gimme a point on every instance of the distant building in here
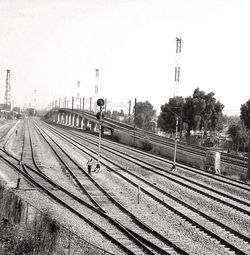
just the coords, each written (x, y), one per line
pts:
(31, 111)
(17, 109)
(5, 107)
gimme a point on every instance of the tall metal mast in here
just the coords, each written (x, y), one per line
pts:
(177, 66)
(176, 88)
(7, 99)
(96, 88)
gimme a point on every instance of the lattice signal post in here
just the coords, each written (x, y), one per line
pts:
(7, 98)
(176, 88)
(96, 88)
(177, 66)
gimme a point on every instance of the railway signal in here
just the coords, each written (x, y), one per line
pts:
(100, 102)
(100, 114)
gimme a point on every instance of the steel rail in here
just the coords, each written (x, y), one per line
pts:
(137, 221)
(160, 201)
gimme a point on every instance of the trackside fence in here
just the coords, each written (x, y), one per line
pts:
(40, 232)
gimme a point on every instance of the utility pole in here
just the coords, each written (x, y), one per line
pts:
(7, 98)
(181, 121)
(175, 143)
(134, 120)
(105, 105)
(72, 103)
(90, 104)
(78, 93)
(129, 111)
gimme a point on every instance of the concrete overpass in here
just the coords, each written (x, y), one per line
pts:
(78, 118)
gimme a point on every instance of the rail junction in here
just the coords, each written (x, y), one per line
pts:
(135, 203)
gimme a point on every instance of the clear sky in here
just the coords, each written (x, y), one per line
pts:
(51, 44)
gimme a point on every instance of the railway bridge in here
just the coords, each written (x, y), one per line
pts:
(78, 118)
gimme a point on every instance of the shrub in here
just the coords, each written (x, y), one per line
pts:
(146, 144)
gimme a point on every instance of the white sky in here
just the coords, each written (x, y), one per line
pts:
(51, 44)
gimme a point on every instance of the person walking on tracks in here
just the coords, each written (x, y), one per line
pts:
(89, 165)
(98, 168)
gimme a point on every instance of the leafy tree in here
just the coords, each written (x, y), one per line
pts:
(245, 113)
(245, 117)
(216, 118)
(239, 134)
(199, 111)
(167, 118)
(144, 115)
(209, 110)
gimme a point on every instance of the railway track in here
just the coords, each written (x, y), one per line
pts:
(100, 221)
(107, 202)
(189, 148)
(200, 227)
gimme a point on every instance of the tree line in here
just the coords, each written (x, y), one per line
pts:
(201, 111)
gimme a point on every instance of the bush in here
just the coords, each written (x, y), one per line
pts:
(146, 144)
(15, 240)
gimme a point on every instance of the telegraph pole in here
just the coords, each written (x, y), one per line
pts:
(72, 103)
(134, 120)
(175, 143)
(129, 111)
(78, 94)
(7, 99)
(90, 104)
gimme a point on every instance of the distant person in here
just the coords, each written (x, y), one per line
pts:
(16, 132)
(89, 165)
(173, 168)
(98, 168)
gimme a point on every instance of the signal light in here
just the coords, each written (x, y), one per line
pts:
(100, 102)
